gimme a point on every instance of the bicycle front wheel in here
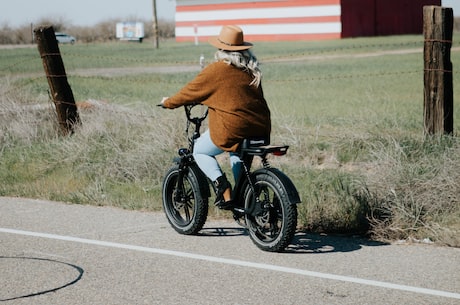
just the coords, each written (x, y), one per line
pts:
(183, 202)
(273, 221)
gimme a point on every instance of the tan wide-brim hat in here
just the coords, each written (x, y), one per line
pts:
(231, 38)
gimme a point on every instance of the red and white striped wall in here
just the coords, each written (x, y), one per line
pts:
(263, 20)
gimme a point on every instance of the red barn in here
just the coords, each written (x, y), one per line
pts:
(270, 20)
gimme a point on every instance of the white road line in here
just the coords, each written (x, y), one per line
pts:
(237, 263)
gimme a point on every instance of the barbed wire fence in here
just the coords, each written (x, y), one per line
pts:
(23, 80)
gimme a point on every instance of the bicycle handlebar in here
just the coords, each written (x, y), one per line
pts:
(188, 111)
(194, 120)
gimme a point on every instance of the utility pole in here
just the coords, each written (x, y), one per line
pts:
(32, 33)
(155, 25)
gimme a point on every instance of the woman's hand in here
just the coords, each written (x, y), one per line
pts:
(161, 104)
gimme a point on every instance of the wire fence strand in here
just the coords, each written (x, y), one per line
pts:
(23, 80)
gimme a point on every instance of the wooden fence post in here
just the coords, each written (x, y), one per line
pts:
(438, 91)
(61, 92)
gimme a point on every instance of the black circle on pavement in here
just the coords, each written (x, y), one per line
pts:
(79, 270)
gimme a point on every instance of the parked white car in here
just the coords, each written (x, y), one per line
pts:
(65, 38)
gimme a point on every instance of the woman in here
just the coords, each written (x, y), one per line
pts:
(231, 89)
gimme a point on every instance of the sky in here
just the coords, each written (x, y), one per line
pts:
(82, 12)
(17, 13)
(455, 4)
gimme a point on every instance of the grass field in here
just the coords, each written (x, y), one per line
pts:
(351, 111)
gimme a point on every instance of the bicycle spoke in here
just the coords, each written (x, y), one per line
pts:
(187, 213)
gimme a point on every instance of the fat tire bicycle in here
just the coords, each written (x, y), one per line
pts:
(265, 200)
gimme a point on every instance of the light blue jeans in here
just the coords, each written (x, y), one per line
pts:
(204, 153)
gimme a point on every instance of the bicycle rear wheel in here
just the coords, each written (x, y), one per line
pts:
(184, 204)
(271, 224)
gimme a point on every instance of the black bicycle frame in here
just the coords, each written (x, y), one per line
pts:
(246, 154)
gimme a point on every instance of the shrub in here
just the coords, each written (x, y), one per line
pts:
(416, 190)
(101, 32)
(333, 201)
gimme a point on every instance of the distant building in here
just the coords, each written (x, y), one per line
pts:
(277, 20)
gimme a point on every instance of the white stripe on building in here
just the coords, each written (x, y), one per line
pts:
(265, 29)
(262, 13)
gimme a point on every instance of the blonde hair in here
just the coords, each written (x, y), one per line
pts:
(245, 60)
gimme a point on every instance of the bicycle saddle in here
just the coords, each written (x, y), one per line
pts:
(261, 147)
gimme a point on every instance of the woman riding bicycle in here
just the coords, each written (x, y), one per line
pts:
(231, 89)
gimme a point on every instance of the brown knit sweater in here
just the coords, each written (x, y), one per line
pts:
(236, 109)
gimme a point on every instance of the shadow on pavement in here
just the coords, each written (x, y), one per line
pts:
(305, 242)
(223, 232)
(324, 243)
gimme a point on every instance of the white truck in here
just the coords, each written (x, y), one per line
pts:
(130, 31)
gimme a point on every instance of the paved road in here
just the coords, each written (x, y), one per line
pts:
(55, 253)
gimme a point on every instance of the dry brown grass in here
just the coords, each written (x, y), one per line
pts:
(369, 171)
(415, 190)
(408, 187)
(116, 148)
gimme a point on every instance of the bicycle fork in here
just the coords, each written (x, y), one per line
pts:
(183, 160)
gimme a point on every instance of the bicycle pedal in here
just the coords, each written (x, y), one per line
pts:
(225, 205)
(239, 220)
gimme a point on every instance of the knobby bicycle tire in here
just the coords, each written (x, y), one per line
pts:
(274, 226)
(187, 215)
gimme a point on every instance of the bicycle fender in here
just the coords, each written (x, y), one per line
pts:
(202, 179)
(285, 182)
(197, 172)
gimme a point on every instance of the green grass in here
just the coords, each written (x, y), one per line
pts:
(354, 123)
